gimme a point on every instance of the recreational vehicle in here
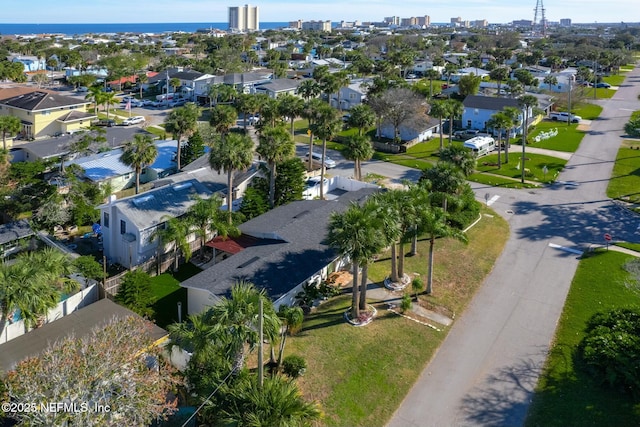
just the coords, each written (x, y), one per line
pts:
(481, 145)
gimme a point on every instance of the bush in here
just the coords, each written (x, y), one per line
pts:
(405, 304)
(632, 128)
(611, 349)
(294, 366)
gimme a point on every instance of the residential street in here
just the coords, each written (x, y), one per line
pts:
(486, 370)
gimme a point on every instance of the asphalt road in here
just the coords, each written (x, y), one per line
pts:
(486, 370)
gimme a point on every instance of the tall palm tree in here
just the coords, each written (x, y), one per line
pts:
(196, 336)
(455, 109)
(95, 94)
(142, 79)
(434, 225)
(514, 117)
(499, 74)
(291, 318)
(182, 122)
(499, 122)
(362, 117)
(108, 99)
(308, 89)
(358, 148)
(276, 145)
(354, 233)
(206, 216)
(290, 106)
(231, 153)
(9, 125)
(138, 154)
(223, 118)
(340, 80)
(175, 233)
(311, 113)
(235, 319)
(328, 123)
(551, 81)
(431, 74)
(246, 104)
(440, 109)
(526, 102)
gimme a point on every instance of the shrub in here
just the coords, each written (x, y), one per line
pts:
(611, 349)
(294, 366)
(405, 304)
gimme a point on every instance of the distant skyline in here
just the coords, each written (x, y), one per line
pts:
(494, 11)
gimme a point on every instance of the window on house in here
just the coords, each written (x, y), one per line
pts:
(127, 176)
(352, 96)
(105, 220)
(468, 124)
(123, 227)
(46, 113)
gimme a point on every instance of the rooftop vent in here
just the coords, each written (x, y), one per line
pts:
(182, 186)
(301, 214)
(141, 200)
(249, 262)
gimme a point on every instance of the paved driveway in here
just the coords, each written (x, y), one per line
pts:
(486, 370)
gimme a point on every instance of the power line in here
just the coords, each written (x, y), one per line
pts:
(209, 397)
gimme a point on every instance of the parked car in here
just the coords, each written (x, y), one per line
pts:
(177, 103)
(603, 85)
(82, 89)
(465, 134)
(317, 157)
(311, 187)
(149, 103)
(104, 122)
(563, 116)
(133, 120)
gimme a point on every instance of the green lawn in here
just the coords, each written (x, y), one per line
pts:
(360, 375)
(534, 162)
(588, 111)
(167, 291)
(632, 246)
(497, 181)
(625, 179)
(568, 137)
(614, 79)
(600, 93)
(566, 396)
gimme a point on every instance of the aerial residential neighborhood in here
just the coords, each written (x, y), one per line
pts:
(390, 222)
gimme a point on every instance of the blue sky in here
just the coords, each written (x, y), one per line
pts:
(107, 11)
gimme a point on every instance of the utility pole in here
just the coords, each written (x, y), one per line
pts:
(260, 345)
(569, 116)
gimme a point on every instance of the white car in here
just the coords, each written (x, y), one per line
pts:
(317, 157)
(133, 120)
(312, 187)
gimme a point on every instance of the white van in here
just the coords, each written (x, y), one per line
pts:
(317, 157)
(133, 120)
(481, 145)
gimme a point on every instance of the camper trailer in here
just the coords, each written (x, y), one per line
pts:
(481, 145)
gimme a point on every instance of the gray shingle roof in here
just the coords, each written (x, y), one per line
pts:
(14, 231)
(293, 248)
(80, 323)
(37, 100)
(489, 102)
(280, 85)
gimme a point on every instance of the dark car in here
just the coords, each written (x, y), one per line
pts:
(603, 85)
(104, 122)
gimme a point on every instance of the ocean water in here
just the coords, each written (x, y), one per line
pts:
(161, 27)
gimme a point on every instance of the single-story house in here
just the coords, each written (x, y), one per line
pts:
(80, 323)
(479, 109)
(12, 235)
(30, 63)
(44, 113)
(420, 128)
(278, 251)
(279, 87)
(107, 168)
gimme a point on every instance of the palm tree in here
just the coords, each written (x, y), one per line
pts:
(223, 118)
(275, 402)
(356, 234)
(231, 153)
(499, 121)
(96, 95)
(308, 89)
(310, 112)
(362, 117)
(175, 232)
(9, 125)
(499, 74)
(514, 116)
(434, 225)
(291, 318)
(196, 336)
(340, 80)
(235, 320)
(108, 99)
(464, 159)
(527, 102)
(276, 145)
(551, 81)
(455, 109)
(358, 148)
(142, 79)
(290, 106)
(138, 154)
(328, 123)
(440, 109)
(431, 74)
(182, 122)
(246, 104)
(206, 216)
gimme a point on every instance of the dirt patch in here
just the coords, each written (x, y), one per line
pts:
(340, 279)
(436, 308)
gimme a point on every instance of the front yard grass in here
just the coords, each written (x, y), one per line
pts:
(497, 181)
(566, 395)
(600, 93)
(625, 178)
(534, 162)
(168, 292)
(361, 375)
(614, 79)
(567, 139)
(588, 111)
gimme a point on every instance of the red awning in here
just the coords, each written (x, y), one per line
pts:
(232, 245)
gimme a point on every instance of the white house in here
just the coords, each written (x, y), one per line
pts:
(421, 128)
(279, 87)
(355, 93)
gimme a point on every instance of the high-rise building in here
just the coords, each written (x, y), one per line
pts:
(424, 21)
(566, 22)
(317, 25)
(244, 18)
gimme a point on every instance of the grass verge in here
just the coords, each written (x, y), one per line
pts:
(567, 139)
(360, 375)
(498, 181)
(566, 396)
(535, 163)
(625, 179)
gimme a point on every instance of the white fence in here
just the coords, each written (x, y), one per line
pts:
(74, 302)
